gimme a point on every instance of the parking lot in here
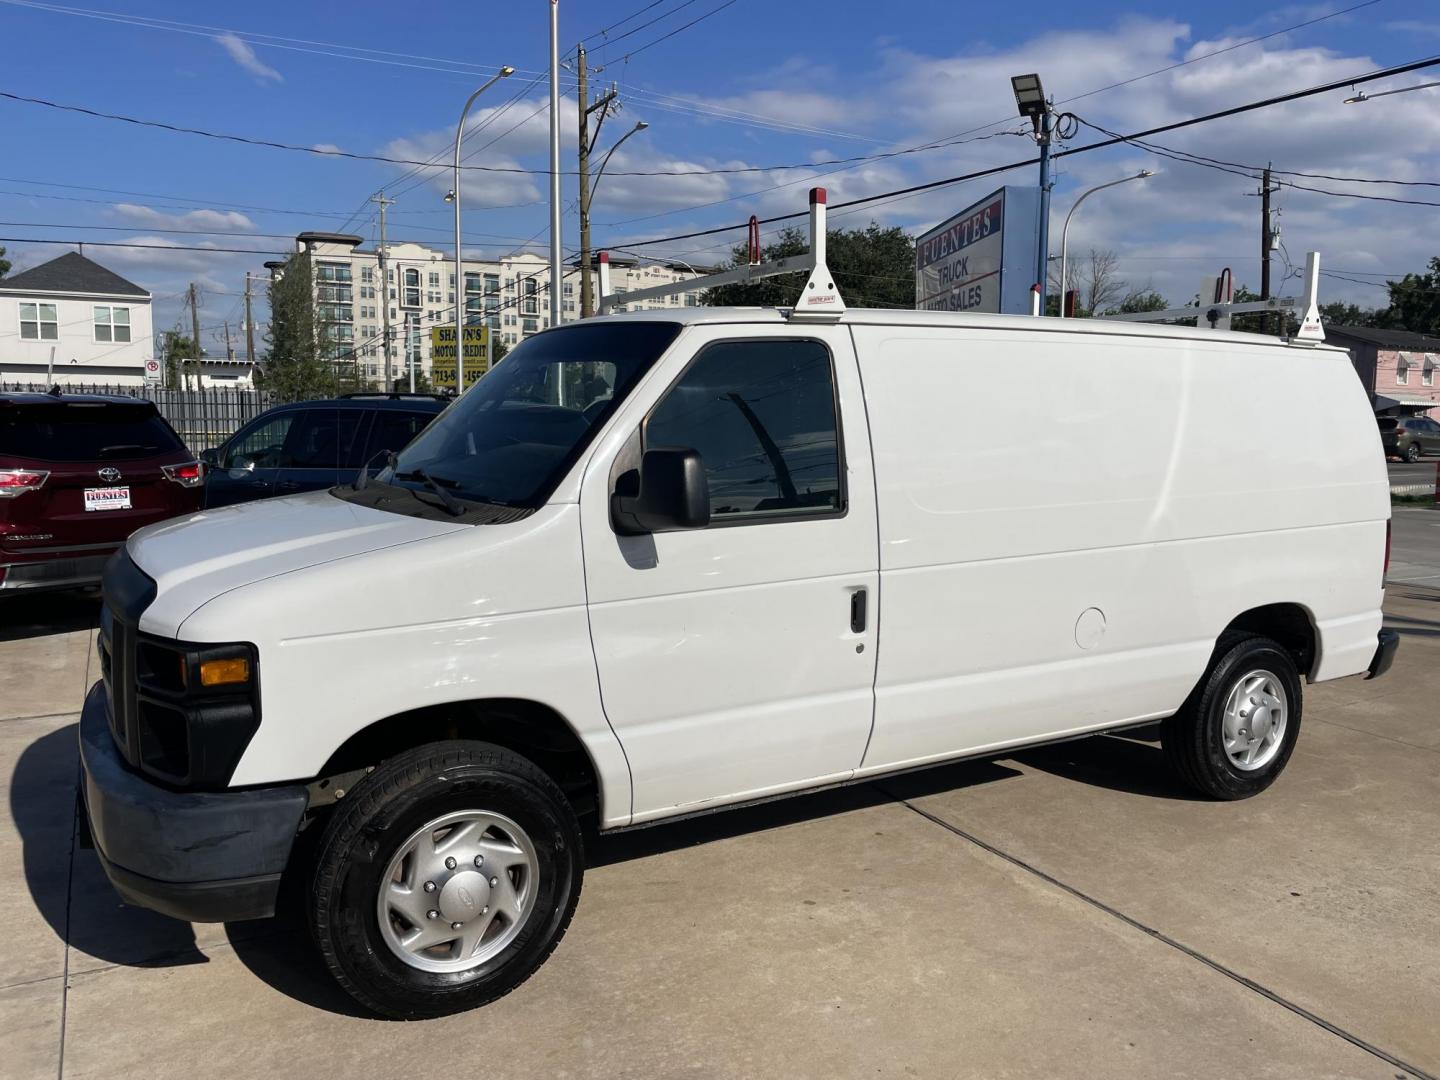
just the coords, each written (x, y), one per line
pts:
(1068, 911)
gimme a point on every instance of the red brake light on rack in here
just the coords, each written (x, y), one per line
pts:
(189, 474)
(18, 481)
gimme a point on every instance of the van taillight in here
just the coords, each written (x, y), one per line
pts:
(18, 481)
(1387, 550)
(191, 474)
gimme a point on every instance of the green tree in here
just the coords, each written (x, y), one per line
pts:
(4, 263)
(1415, 301)
(1146, 299)
(177, 347)
(1341, 314)
(297, 363)
(873, 267)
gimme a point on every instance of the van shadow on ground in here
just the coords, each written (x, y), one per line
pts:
(279, 951)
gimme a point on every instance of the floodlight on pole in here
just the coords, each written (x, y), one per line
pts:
(454, 197)
(1029, 97)
(1065, 232)
(1030, 100)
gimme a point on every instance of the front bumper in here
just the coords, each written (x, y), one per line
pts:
(203, 857)
(1384, 654)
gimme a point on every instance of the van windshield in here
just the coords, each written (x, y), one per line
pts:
(512, 437)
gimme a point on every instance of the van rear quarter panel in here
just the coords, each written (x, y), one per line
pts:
(1169, 483)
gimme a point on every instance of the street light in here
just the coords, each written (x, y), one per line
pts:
(454, 197)
(1065, 232)
(1362, 96)
(587, 195)
(640, 125)
(1030, 100)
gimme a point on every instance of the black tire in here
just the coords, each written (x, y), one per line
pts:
(1412, 454)
(367, 829)
(1193, 738)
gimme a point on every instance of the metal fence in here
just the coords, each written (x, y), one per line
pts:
(203, 418)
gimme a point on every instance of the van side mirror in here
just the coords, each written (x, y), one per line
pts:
(210, 457)
(667, 493)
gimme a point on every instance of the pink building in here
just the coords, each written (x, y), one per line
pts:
(1398, 368)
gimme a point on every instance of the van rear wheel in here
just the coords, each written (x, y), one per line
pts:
(445, 879)
(1237, 730)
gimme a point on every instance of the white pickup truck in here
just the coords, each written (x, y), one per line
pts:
(661, 563)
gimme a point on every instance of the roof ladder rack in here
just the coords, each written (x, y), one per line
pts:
(1216, 314)
(819, 299)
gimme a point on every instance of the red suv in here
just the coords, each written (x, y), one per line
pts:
(78, 474)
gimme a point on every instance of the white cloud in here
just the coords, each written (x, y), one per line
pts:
(147, 217)
(245, 56)
(326, 148)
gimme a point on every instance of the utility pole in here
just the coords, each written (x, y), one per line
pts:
(229, 349)
(1042, 258)
(249, 326)
(379, 197)
(587, 143)
(195, 331)
(1265, 239)
(556, 268)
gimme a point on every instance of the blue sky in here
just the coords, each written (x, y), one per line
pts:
(755, 84)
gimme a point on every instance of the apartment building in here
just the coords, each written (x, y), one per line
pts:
(510, 294)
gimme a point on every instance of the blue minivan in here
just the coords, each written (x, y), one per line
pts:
(312, 445)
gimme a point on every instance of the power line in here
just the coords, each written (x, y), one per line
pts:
(679, 29)
(434, 162)
(1251, 171)
(142, 247)
(635, 30)
(914, 189)
(1284, 172)
(271, 41)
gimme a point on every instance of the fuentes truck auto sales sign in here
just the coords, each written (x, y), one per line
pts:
(982, 259)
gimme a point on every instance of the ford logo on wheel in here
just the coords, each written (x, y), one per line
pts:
(109, 474)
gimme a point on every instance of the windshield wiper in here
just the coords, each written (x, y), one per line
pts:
(363, 476)
(452, 504)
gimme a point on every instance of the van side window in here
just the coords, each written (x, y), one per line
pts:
(762, 415)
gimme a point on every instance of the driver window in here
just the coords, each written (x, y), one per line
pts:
(762, 416)
(260, 446)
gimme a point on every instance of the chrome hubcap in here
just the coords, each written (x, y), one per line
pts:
(457, 891)
(1254, 721)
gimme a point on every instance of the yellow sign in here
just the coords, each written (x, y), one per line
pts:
(442, 355)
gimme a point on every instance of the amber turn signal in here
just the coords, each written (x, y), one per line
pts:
(224, 672)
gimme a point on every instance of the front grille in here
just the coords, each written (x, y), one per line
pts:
(128, 592)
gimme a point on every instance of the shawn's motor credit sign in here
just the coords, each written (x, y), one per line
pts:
(442, 355)
(977, 260)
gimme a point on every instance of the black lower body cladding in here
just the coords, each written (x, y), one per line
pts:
(200, 856)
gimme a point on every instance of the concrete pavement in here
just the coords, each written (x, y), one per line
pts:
(1414, 546)
(1068, 911)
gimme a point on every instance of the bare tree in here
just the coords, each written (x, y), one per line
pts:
(1095, 276)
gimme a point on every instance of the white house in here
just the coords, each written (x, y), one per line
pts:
(70, 320)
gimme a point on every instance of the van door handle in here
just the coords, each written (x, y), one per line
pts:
(857, 611)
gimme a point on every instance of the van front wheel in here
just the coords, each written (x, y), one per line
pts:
(1236, 731)
(445, 879)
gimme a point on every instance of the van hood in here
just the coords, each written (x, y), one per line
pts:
(197, 558)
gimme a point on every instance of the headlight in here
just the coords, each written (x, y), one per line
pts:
(197, 707)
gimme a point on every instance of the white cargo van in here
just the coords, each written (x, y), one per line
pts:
(660, 563)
